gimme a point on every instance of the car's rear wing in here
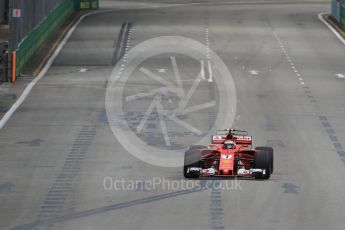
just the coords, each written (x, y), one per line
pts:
(238, 139)
(218, 139)
(231, 131)
(239, 132)
(242, 139)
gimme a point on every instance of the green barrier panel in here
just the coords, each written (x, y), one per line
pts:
(32, 42)
(342, 17)
(86, 4)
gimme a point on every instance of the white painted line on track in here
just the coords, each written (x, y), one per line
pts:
(202, 70)
(254, 72)
(43, 72)
(331, 28)
(209, 65)
(210, 73)
(339, 75)
(292, 65)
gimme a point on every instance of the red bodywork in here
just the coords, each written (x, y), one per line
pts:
(229, 161)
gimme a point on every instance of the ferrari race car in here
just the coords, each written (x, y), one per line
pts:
(229, 154)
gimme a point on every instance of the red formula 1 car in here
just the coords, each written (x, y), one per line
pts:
(229, 154)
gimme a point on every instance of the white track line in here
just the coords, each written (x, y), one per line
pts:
(28, 89)
(202, 71)
(208, 55)
(339, 75)
(210, 74)
(292, 65)
(331, 28)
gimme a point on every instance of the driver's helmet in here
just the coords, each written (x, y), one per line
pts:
(229, 145)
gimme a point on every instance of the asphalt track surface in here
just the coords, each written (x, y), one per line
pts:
(58, 147)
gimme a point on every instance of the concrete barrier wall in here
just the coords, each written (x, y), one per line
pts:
(336, 10)
(342, 16)
(34, 40)
(32, 14)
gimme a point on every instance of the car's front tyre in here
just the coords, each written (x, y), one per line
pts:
(262, 161)
(270, 154)
(192, 158)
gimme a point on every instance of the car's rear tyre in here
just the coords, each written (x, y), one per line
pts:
(192, 158)
(270, 154)
(262, 161)
(194, 147)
